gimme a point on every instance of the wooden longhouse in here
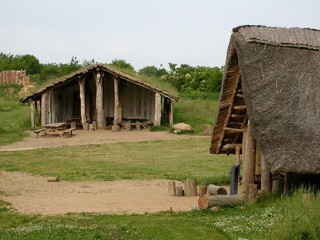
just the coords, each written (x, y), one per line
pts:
(102, 95)
(268, 113)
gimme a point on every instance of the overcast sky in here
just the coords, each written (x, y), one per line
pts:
(143, 32)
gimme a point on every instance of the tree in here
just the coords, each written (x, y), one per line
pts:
(122, 64)
(152, 71)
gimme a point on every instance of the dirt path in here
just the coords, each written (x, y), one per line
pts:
(81, 137)
(34, 195)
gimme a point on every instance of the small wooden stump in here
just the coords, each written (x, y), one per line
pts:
(190, 188)
(53, 179)
(216, 190)
(202, 190)
(252, 193)
(172, 188)
(179, 192)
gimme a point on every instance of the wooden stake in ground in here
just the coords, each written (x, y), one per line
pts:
(208, 201)
(252, 193)
(190, 188)
(172, 188)
(216, 190)
(202, 190)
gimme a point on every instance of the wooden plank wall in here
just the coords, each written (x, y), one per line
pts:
(108, 95)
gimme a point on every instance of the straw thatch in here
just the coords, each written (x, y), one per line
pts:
(278, 74)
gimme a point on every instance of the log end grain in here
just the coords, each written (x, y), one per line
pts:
(53, 179)
(203, 203)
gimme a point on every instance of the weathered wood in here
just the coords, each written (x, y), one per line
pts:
(244, 143)
(216, 190)
(258, 161)
(171, 113)
(116, 119)
(190, 188)
(240, 107)
(265, 176)
(229, 129)
(208, 201)
(179, 191)
(202, 190)
(157, 114)
(238, 160)
(101, 120)
(252, 195)
(172, 188)
(232, 146)
(83, 103)
(250, 158)
(32, 115)
(36, 113)
(53, 179)
(44, 109)
(276, 186)
(235, 115)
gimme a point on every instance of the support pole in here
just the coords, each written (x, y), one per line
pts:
(250, 158)
(171, 113)
(32, 115)
(157, 114)
(36, 113)
(101, 120)
(44, 109)
(238, 160)
(117, 113)
(83, 103)
(265, 176)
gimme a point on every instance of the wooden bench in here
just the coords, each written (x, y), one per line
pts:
(38, 131)
(68, 132)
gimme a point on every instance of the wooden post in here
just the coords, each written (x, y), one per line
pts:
(244, 143)
(250, 158)
(252, 193)
(190, 188)
(202, 190)
(44, 109)
(172, 188)
(116, 119)
(171, 113)
(157, 113)
(258, 161)
(83, 103)
(265, 176)
(238, 160)
(36, 113)
(101, 120)
(179, 192)
(32, 115)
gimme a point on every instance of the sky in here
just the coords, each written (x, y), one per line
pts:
(142, 32)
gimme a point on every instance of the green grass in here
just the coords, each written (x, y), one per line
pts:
(14, 117)
(271, 218)
(175, 159)
(196, 110)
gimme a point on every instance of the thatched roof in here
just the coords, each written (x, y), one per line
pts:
(104, 68)
(272, 77)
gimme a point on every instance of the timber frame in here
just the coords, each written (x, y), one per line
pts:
(101, 95)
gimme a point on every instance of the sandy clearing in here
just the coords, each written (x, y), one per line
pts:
(34, 195)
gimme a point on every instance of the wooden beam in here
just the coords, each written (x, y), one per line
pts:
(117, 117)
(32, 115)
(235, 123)
(44, 109)
(83, 103)
(238, 115)
(229, 111)
(157, 112)
(265, 176)
(240, 107)
(101, 120)
(240, 95)
(229, 129)
(232, 146)
(250, 158)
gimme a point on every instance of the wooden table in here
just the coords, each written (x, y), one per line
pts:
(138, 122)
(55, 128)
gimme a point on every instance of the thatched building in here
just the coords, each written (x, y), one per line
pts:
(272, 81)
(102, 95)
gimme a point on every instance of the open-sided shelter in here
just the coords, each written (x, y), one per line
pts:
(272, 82)
(103, 95)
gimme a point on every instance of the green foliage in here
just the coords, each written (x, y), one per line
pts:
(26, 62)
(152, 71)
(122, 64)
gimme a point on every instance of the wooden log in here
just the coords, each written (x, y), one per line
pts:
(265, 176)
(53, 179)
(44, 109)
(83, 103)
(202, 190)
(101, 120)
(249, 165)
(216, 190)
(172, 188)
(157, 113)
(252, 193)
(190, 188)
(179, 192)
(171, 113)
(208, 201)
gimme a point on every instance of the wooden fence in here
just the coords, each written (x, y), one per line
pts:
(17, 77)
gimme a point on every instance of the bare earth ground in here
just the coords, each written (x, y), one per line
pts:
(34, 195)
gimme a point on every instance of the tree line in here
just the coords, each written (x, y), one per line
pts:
(184, 78)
